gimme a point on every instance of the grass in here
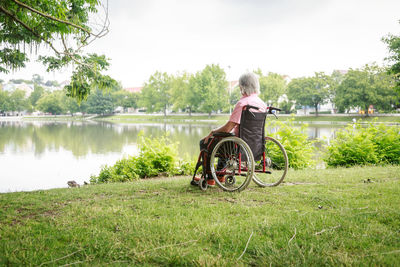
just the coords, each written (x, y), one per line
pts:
(318, 217)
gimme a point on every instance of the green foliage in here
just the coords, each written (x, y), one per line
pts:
(358, 145)
(4, 101)
(272, 87)
(37, 93)
(17, 101)
(52, 103)
(155, 95)
(286, 106)
(370, 85)
(310, 91)
(393, 43)
(64, 27)
(299, 149)
(87, 76)
(182, 93)
(211, 84)
(100, 102)
(157, 156)
(130, 101)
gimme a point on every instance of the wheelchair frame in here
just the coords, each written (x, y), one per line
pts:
(270, 173)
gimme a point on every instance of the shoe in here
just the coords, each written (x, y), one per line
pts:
(195, 181)
(211, 182)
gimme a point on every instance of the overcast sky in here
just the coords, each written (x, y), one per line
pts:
(296, 38)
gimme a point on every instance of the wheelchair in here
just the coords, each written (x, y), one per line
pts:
(232, 162)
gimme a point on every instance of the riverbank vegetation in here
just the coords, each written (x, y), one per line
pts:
(157, 157)
(358, 145)
(376, 144)
(338, 216)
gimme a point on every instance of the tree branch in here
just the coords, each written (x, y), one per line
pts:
(11, 15)
(51, 17)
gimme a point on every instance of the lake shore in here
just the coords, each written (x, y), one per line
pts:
(220, 118)
(343, 216)
(215, 118)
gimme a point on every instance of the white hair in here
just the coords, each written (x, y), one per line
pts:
(249, 84)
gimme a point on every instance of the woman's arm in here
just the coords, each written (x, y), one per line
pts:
(226, 128)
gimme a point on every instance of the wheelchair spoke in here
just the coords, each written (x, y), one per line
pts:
(225, 164)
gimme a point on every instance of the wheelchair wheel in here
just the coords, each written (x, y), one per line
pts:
(232, 159)
(203, 184)
(276, 164)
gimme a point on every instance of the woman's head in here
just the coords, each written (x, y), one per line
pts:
(249, 84)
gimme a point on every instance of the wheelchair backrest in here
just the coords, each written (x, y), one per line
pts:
(251, 130)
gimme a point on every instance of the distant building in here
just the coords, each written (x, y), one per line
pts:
(11, 87)
(134, 89)
(343, 72)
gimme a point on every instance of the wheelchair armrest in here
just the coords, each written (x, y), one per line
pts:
(223, 134)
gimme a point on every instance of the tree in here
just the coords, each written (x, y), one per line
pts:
(65, 28)
(38, 91)
(156, 95)
(272, 86)
(370, 85)
(211, 86)
(393, 43)
(336, 79)
(4, 101)
(310, 91)
(183, 91)
(131, 100)
(100, 102)
(18, 102)
(71, 105)
(235, 96)
(52, 103)
(118, 97)
(37, 79)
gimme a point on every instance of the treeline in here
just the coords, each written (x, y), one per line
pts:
(208, 91)
(57, 102)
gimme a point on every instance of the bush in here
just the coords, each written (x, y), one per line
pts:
(357, 145)
(299, 149)
(157, 156)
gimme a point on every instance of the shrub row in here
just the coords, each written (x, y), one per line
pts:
(299, 148)
(358, 145)
(157, 156)
(353, 145)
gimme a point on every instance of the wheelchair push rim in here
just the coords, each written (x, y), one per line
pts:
(232, 164)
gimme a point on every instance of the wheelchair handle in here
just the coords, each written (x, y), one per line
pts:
(250, 106)
(272, 109)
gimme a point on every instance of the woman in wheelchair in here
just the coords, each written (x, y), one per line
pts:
(249, 88)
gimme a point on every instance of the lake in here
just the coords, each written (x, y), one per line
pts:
(41, 155)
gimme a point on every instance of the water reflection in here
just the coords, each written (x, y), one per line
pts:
(39, 155)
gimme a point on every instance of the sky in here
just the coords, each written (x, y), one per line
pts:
(289, 37)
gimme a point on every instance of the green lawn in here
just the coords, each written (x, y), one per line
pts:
(318, 217)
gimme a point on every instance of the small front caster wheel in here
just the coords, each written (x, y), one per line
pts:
(203, 184)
